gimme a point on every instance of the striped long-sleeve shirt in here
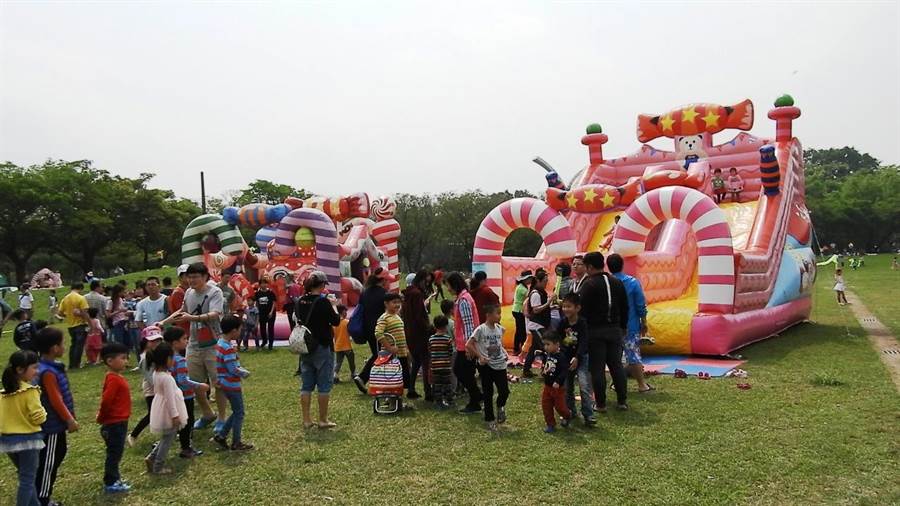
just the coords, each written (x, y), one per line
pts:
(228, 367)
(179, 371)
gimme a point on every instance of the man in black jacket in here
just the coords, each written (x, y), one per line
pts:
(604, 304)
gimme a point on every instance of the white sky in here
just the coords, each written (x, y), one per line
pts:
(420, 97)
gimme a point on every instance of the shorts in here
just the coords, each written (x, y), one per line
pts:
(201, 363)
(317, 371)
(632, 348)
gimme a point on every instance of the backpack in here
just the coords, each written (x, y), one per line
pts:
(356, 326)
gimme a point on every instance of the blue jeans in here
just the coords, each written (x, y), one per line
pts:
(114, 437)
(236, 420)
(583, 375)
(27, 464)
(120, 334)
(317, 371)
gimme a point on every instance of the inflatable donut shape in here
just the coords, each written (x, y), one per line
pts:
(228, 235)
(327, 252)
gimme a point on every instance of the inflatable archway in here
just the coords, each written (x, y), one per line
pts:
(326, 244)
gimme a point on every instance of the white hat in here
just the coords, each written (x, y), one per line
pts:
(181, 269)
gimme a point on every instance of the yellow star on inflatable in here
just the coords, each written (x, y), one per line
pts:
(572, 200)
(607, 199)
(666, 122)
(688, 115)
(711, 119)
(589, 195)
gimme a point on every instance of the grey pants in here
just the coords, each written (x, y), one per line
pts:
(161, 450)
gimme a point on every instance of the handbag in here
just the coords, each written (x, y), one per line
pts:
(356, 325)
(297, 341)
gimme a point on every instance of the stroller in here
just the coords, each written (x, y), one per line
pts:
(386, 384)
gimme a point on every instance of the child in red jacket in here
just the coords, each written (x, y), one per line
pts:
(115, 409)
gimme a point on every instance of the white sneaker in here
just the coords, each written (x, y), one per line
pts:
(130, 441)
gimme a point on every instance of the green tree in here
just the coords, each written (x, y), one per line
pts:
(23, 215)
(262, 191)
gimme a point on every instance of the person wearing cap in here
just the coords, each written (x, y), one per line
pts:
(176, 300)
(202, 310)
(523, 286)
(150, 337)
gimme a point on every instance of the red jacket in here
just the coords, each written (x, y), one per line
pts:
(483, 297)
(115, 403)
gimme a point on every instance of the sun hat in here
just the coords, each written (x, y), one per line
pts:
(151, 333)
(524, 275)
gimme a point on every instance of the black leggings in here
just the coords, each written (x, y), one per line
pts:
(143, 422)
(491, 378)
(521, 335)
(184, 435)
(420, 359)
(464, 369)
(267, 330)
(537, 344)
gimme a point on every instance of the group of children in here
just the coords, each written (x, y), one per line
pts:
(37, 407)
(722, 187)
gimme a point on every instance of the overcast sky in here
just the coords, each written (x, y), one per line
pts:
(383, 97)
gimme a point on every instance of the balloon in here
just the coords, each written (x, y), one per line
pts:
(304, 238)
(383, 208)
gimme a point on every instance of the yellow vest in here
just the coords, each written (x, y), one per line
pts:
(21, 412)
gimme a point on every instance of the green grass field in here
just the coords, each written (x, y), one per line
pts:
(876, 284)
(819, 426)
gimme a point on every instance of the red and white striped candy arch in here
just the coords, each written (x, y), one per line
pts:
(714, 245)
(554, 229)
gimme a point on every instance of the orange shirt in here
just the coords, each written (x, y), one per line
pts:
(342, 337)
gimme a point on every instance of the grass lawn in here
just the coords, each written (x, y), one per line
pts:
(876, 284)
(820, 425)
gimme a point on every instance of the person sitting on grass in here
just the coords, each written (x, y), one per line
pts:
(554, 370)
(169, 414)
(178, 340)
(230, 373)
(486, 343)
(56, 397)
(21, 416)
(113, 415)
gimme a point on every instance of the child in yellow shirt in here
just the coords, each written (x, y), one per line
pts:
(21, 416)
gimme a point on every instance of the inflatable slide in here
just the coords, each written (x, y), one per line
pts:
(718, 234)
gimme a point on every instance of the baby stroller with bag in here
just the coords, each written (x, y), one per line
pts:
(386, 384)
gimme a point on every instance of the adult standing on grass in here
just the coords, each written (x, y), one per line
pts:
(74, 310)
(371, 303)
(96, 299)
(118, 317)
(266, 302)
(465, 317)
(637, 321)
(604, 305)
(482, 294)
(176, 300)
(203, 308)
(152, 309)
(415, 322)
(318, 314)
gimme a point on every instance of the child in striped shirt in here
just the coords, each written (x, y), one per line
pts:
(229, 374)
(390, 334)
(178, 340)
(440, 348)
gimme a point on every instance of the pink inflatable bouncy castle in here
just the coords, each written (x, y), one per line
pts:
(344, 238)
(718, 273)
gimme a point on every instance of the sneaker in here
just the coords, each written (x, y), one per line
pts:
(492, 426)
(622, 407)
(413, 395)
(501, 415)
(130, 441)
(443, 405)
(117, 488)
(217, 428)
(550, 429)
(241, 447)
(468, 410)
(564, 422)
(590, 421)
(190, 453)
(148, 461)
(360, 384)
(219, 440)
(601, 408)
(203, 423)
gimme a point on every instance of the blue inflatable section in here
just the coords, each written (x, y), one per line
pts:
(796, 274)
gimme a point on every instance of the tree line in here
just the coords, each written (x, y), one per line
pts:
(75, 218)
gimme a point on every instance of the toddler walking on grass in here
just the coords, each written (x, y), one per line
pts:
(230, 373)
(555, 369)
(342, 346)
(839, 286)
(168, 414)
(440, 349)
(115, 409)
(486, 343)
(178, 340)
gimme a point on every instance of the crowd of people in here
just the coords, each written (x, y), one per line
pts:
(187, 339)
